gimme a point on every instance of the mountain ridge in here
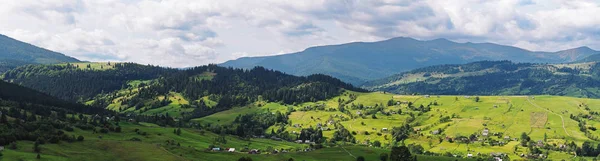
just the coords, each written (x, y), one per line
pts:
(15, 53)
(496, 78)
(358, 62)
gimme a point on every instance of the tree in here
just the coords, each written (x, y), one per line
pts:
(524, 139)
(13, 146)
(245, 159)
(178, 132)
(477, 99)
(401, 154)
(360, 158)
(36, 147)
(38, 156)
(377, 143)
(383, 156)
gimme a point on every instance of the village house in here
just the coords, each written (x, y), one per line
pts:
(231, 150)
(254, 151)
(485, 132)
(384, 129)
(540, 143)
(506, 137)
(435, 132)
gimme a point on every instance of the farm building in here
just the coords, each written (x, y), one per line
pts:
(231, 150)
(485, 132)
(254, 151)
(435, 132)
(384, 129)
(506, 137)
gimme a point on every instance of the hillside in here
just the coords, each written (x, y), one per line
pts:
(591, 58)
(81, 81)
(359, 62)
(432, 125)
(496, 78)
(194, 92)
(15, 53)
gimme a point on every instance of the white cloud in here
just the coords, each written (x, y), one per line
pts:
(194, 32)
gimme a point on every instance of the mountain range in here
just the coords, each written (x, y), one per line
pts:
(496, 78)
(359, 62)
(15, 53)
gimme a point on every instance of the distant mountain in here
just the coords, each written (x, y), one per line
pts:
(15, 53)
(359, 62)
(496, 78)
(594, 56)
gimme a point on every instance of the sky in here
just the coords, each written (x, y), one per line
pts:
(184, 33)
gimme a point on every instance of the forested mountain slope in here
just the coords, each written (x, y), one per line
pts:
(193, 92)
(15, 53)
(496, 78)
(81, 81)
(359, 62)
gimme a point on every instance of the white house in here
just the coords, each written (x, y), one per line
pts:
(231, 150)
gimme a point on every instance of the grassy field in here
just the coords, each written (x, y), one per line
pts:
(94, 65)
(506, 116)
(192, 146)
(510, 116)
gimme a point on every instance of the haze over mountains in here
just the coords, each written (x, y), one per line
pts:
(15, 53)
(359, 62)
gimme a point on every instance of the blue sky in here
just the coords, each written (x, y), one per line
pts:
(181, 33)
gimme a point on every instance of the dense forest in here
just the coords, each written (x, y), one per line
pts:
(234, 87)
(496, 78)
(70, 82)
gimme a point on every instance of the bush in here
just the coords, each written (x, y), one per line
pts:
(104, 130)
(80, 138)
(69, 129)
(135, 139)
(245, 159)
(360, 158)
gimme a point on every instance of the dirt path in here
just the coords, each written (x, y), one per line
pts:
(348, 152)
(561, 117)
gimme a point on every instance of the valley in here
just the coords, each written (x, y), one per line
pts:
(483, 110)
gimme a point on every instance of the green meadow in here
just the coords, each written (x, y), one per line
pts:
(506, 116)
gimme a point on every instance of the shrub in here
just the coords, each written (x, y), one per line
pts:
(80, 138)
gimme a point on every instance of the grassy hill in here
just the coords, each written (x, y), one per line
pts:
(496, 78)
(543, 118)
(190, 145)
(15, 53)
(360, 62)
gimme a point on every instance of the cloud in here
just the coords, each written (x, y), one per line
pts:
(183, 33)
